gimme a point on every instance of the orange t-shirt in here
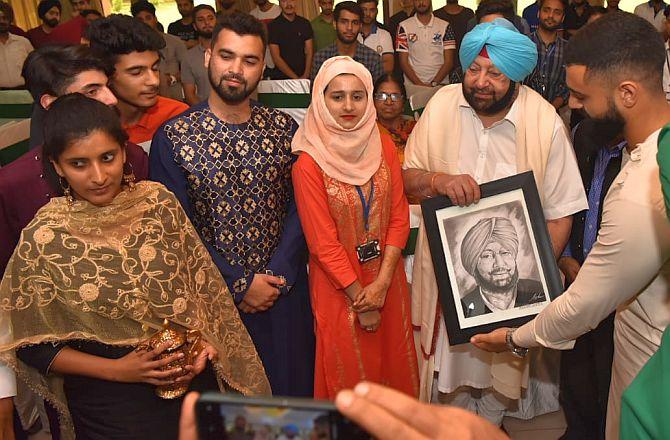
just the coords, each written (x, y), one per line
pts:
(142, 132)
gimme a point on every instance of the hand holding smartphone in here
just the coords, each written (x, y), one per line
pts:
(227, 416)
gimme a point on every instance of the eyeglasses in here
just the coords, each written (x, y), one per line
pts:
(383, 96)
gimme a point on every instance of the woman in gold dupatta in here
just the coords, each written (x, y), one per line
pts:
(94, 276)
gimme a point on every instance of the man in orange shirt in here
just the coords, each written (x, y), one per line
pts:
(132, 48)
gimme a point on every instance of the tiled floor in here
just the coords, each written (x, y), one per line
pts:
(547, 427)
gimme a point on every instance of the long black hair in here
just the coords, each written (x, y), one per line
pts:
(70, 118)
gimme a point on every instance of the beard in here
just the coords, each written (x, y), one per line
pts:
(452, 2)
(490, 286)
(611, 125)
(51, 23)
(231, 95)
(345, 40)
(495, 106)
(546, 27)
(207, 35)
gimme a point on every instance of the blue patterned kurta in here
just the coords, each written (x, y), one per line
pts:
(234, 181)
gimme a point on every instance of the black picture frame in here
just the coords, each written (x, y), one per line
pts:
(438, 213)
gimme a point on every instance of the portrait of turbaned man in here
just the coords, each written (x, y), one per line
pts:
(489, 254)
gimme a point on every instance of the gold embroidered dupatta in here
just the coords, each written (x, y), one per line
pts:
(105, 273)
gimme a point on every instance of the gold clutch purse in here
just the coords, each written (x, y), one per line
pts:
(187, 343)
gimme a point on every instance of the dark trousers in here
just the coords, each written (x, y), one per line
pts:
(20, 434)
(585, 380)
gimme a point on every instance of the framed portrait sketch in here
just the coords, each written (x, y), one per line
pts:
(493, 260)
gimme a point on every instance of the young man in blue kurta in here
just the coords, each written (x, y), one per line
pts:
(228, 160)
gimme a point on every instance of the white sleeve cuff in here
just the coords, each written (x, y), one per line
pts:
(7, 382)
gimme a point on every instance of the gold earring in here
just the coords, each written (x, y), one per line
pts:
(69, 200)
(129, 179)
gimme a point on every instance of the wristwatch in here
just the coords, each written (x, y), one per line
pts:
(515, 349)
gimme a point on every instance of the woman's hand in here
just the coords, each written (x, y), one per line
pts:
(370, 321)
(141, 365)
(206, 352)
(371, 297)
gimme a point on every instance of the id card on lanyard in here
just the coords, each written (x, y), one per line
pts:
(370, 249)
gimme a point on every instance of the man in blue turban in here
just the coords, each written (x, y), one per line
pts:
(487, 128)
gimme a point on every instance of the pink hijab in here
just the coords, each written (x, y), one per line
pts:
(351, 155)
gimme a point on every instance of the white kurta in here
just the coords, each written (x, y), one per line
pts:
(627, 270)
(488, 154)
(7, 378)
(492, 157)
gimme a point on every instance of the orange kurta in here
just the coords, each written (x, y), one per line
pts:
(332, 219)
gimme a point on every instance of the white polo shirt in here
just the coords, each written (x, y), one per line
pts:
(646, 11)
(425, 45)
(12, 55)
(379, 40)
(266, 17)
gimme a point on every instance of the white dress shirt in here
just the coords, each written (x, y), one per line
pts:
(646, 11)
(12, 55)
(627, 270)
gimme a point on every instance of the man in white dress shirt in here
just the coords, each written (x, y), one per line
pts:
(485, 129)
(652, 11)
(614, 72)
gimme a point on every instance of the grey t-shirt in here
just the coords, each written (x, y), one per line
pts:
(193, 71)
(172, 56)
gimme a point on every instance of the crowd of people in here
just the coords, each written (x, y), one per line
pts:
(159, 196)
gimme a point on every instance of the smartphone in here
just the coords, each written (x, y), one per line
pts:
(224, 416)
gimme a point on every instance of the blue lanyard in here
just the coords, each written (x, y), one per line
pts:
(366, 206)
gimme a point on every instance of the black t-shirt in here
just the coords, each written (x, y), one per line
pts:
(572, 21)
(290, 36)
(458, 23)
(181, 30)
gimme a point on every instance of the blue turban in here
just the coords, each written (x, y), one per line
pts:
(510, 51)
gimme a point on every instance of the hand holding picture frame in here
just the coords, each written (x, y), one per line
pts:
(494, 261)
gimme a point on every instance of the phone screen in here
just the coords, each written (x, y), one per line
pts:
(224, 420)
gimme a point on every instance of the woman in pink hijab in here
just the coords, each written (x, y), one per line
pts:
(354, 214)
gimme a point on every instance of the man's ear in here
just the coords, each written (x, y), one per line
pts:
(46, 100)
(629, 93)
(208, 56)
